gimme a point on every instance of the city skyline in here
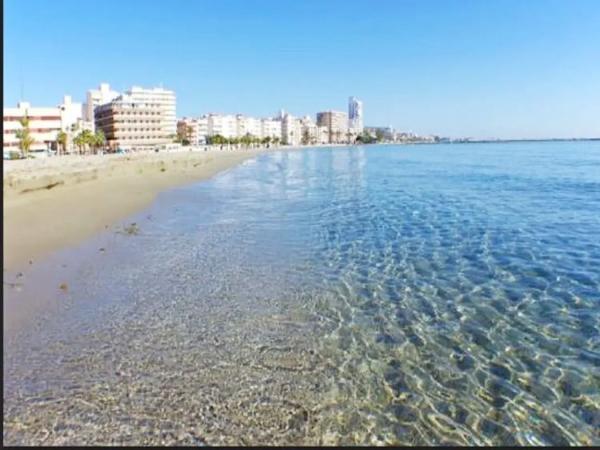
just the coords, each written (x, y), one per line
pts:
(457, 69)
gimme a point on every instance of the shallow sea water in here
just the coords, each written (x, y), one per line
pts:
(432, 294)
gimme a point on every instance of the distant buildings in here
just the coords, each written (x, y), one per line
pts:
(145, 118)
(248, 126)
(355, 115)
(271, 128)
(139, 118)
(385, 133)
(336, 123)
(223, 125)
(227, 125)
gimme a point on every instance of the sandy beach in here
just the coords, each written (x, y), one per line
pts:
(56, 202)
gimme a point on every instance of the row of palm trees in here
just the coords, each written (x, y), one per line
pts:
(246, 140)
(85, 141)
(88, 141)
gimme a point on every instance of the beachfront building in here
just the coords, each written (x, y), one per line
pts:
(223, 125)
(70, 113)
(271, 128)
(309, 131)
(44, 126)
(336, 123)
(138, 119)
(248, 126)
(355, 115)
(97, 97)
(72, 121)
(291, 130)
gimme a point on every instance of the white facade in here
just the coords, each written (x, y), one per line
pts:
(248, 125)
(160, 98)
(224, 125)
(291, 130)
(232, 126)
(44, 126)
(97, 97)
(271, 128)
(202, 129)
(355, 115)
(70, 113)
(309, 131)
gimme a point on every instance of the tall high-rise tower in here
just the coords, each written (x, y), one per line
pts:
(355, 115)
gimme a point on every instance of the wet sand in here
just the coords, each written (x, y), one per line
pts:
(57, 202)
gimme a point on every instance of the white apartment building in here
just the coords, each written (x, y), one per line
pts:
(97, 97)
(355, 115)
(230, 126)
(291, 130)
(139, 118)
(249, 125)
(70, 113)
(271, 128)
(224, 125)
(44, 126)
(310, 130)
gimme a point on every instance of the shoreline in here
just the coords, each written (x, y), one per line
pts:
(54, 203)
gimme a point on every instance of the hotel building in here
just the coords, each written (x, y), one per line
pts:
(139, 118)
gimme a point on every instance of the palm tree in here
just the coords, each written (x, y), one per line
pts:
(25, 139)
(78, 141)
(83, 139)
(276, 140)
(100, 139)
(61, 140)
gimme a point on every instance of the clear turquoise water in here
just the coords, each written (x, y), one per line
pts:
(368, 295)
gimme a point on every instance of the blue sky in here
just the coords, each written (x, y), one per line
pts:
(479, 68)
